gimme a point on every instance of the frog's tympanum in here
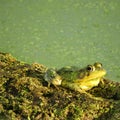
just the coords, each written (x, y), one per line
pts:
(75, 78)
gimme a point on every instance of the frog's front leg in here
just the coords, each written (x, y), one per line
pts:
(52, 77)
(102, 81)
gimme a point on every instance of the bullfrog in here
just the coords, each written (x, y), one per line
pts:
(76, 79)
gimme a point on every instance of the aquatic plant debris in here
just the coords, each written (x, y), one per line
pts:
(24, 94)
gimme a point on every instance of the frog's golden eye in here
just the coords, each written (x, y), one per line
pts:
(90, 68)
(98, 65)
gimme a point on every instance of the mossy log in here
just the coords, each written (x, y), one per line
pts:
(24, 95)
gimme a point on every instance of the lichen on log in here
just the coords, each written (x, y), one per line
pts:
(24, 95)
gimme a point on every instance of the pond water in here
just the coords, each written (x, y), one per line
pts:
(59, 33)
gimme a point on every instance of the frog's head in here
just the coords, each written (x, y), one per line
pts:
(91, 76)
(94, 71)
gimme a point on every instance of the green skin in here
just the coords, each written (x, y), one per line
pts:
(71, 73)
(82, 79)
(78, 79)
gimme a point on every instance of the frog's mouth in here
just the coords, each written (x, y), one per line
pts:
(94, 76)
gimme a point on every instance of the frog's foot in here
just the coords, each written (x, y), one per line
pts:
(76, 87)
(48, 85)
(57, 88)
(102, 81)
(52, 77)
(88, 94)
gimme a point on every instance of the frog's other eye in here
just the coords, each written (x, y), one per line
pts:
(90, 68)
(98, 65)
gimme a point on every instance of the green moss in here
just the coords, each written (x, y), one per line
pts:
(24, 95)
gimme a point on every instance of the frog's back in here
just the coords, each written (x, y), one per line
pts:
(68, 73)
(67, 69)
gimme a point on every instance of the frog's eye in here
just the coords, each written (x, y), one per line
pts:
(90, 68)
(98, 65)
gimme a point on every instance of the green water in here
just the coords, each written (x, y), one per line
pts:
(57, 33)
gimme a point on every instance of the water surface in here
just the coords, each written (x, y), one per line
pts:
(57, 33)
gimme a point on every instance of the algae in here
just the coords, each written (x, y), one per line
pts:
(24, 95)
